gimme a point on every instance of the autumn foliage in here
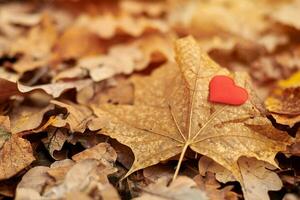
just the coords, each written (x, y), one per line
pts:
(145, 100)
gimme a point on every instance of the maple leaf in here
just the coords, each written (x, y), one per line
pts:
(172, 113)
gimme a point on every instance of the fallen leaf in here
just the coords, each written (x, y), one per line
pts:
(102, 151)
(55, 142)
(4, 130)
(181, 188)
(122, 24)
(8, 89)
(86, 177)
(9, 20)
(77, 116)
(153, 9)
(68, 47)
(257, 177)
(119, 92)
(213, 189)
(287, 14)
(26, 118)
(284, 101)
(15, 155)
(121, 59)
(55, 89)
(29, 187)
(168, 117)
(268, 70)
(36, 46)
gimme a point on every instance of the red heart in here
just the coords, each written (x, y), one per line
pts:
(223, 90)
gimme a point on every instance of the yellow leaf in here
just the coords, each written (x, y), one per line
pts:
(293, 81)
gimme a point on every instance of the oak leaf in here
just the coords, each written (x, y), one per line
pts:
(172, 113)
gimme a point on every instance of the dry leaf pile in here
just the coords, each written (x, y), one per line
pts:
(110, 100)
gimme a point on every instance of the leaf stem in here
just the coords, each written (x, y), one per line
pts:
(180, 160)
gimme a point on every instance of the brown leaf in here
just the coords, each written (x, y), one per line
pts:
(8, 89)
(287, 14)
(25, 118)
(284, 101)
(9, 19)
(120, 91)
(121, 24)
(85, 174)
(121, 59)
(68, 46)
(77, 115)
(55, 89)
(181, 188)
(36, 46)
(211, 187)
(15, 155)
(257, 177)
(102, 151)
(55, 141)
(29, 187)
(172, 113)
(4, 129)
(88, 177)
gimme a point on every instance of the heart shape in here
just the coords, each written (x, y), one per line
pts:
(223, 90)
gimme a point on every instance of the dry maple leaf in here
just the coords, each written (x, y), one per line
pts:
(168, 118)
